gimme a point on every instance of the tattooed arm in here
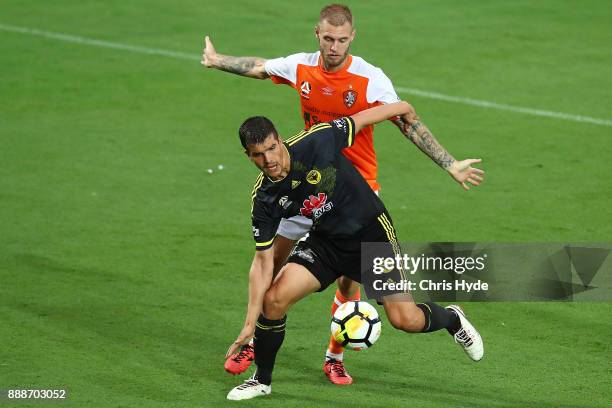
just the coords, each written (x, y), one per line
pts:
(461, 171)
(418, 134)
(252, 67)
(411, 127)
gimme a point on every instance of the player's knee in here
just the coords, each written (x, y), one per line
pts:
(274, 306)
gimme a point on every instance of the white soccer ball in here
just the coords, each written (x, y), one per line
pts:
(356, 325)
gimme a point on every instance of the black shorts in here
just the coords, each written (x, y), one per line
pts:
(329, 257)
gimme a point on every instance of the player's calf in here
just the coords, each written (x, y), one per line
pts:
(404, 315)
(420, 317)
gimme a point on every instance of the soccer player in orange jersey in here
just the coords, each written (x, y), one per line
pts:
(331, 83)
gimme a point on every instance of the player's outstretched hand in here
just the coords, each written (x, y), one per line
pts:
(463, 172)
(409, 118)
(243, 338)
(209, 53)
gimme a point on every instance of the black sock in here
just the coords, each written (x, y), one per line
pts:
(438, 317)
(269, 336)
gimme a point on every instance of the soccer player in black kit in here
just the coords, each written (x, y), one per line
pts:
(307, 174)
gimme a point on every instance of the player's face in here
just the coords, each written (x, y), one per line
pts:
(269, 157)
(334, 43)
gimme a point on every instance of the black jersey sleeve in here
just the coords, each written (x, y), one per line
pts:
(264, 225)
(344, 132)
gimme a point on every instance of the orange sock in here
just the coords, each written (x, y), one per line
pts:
(335, 347)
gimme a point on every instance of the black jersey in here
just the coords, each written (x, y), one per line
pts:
(322, 185)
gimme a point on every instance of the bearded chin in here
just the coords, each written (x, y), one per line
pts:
(331, 64)
(342, 60)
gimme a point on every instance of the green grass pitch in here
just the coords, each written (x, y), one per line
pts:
(123, 263)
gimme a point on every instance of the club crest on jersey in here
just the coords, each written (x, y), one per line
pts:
(313, 177)
(305, 89)
(350, 97)
(316, 206)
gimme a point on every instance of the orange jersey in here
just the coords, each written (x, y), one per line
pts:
(325, 96)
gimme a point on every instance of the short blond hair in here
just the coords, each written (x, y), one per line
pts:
(336, 15)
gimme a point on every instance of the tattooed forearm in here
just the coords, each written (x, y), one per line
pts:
(399, 123)
(422, 137)
(246, 66)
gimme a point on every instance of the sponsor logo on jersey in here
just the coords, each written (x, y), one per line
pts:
(255, 231)
(327, 91)
(284, 202)
(313, 177)
(316, 206)
(305, 89)
(349, 97)
(295, 183)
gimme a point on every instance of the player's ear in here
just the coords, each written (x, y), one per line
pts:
(353, 34)
(317, 30)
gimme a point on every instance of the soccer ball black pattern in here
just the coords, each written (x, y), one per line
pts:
(356, 325)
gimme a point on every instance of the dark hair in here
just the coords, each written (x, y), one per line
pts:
(255, 130)
(336, 14)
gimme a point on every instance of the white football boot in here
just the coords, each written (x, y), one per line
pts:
(467, 336)
(251, 388)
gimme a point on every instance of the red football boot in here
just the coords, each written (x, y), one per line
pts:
(239, 362)
(335, 371)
